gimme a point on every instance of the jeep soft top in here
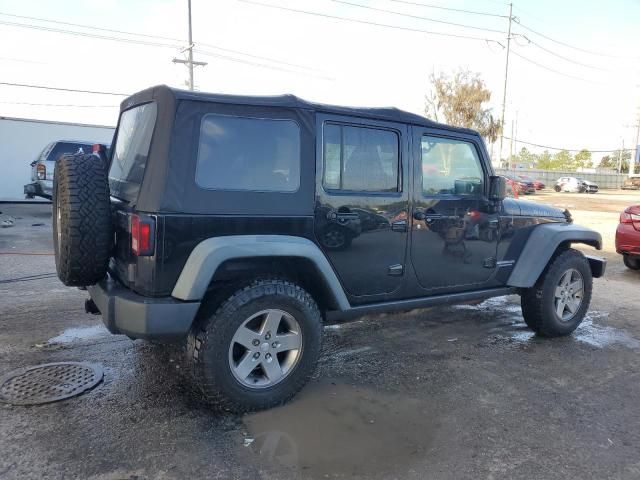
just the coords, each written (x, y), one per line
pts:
(242, 224)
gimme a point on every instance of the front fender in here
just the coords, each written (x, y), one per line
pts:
(541, 245)
(209, 254)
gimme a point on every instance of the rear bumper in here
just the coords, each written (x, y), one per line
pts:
(627, 239)
(125, 312)
(41, 188)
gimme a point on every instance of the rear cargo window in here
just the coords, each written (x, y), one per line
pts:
(68, 148)
(248, 154)
(131, 149)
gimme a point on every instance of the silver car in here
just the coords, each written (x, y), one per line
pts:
(42, 167)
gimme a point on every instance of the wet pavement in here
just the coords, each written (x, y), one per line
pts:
(446, 393)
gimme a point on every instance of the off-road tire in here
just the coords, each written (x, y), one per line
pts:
(632, 263)
(210, 338)
(538, 301)
(82, 224)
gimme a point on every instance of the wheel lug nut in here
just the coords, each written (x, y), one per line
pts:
(267, 336)
(275, 344)
(256, 342)
(256, 355)
(268, 357)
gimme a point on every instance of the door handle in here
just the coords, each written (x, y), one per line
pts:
(341, 216)
(399, 226)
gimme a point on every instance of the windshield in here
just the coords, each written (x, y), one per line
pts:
(130, 151)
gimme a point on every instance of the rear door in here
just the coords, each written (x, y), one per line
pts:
(362, 202)
(454, 234)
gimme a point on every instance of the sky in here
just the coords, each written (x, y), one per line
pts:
(585, 94)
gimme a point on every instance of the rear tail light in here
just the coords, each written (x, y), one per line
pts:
(142, 235)
(631, 215)
(41, 171)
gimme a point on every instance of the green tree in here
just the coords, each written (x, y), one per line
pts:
(545, 161)
(459, 100)
(582, 159)
(563, 160)
(620, 160)
(607, 162)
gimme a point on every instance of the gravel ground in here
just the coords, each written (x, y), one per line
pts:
(444, 393)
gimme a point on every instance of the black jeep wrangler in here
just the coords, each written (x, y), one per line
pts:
(241, 225)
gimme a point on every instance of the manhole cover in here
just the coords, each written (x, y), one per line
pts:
(48, 383)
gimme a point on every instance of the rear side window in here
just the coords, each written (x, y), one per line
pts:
(131, 149)
(68, 148)
(360, 159)
(248, 154)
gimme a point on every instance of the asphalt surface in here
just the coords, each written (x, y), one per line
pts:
(461, 392)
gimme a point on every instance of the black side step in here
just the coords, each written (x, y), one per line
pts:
(422, 302)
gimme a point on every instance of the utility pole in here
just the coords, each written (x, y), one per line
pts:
(189, 62)
(510, 149)
(637, 145)
(506, 75)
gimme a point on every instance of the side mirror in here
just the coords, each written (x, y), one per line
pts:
(497, 188)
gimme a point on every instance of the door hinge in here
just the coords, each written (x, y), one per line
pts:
(396, 270)
(490, 262)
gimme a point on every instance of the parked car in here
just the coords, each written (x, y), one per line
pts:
(575, 185)
(628, 237)
(537, 184)
(43, 166)
(521, 186)
(631, 183)
(204, 226)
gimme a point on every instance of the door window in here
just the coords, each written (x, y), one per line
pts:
(360, 159)
(450, 167)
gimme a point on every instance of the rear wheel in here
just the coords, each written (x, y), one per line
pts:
(559, 300)
(632, 263)
(557, 188)
(258, 348)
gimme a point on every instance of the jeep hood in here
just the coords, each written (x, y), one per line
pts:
(531, 209)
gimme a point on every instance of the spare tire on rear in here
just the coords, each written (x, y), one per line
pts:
(82, 224)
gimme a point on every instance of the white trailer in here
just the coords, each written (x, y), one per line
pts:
(22, 140)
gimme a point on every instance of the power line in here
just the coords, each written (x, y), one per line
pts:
(90, 35)
(418, 17)
(64, 89)
(59, 105)
(365, 22)
(557, 72)
(129, 40)
(564, 44)
(461, 10)
(567, 59)
(90, 27)
(257, 64)
(567, 149)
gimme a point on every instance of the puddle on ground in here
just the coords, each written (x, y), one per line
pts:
(342, 430)
(497, 303)
(602, 336)
(599, 336)
(76, 334)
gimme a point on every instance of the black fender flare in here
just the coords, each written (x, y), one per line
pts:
(542, 244)
(209, 254)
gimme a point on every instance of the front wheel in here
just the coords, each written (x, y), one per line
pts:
(557, 188)
(632, 263)
(258, 348)
(559, 300)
